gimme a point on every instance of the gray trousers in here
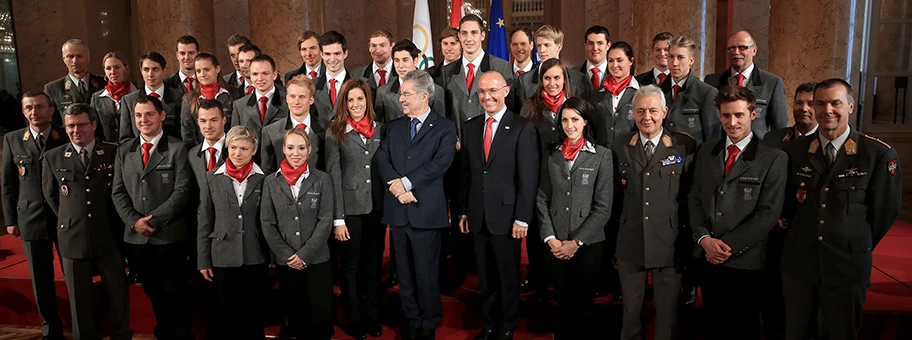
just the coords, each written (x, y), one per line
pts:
(79, 285)
(666, 283)
(40, 257)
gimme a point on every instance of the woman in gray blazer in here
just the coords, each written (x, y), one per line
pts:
(107, 101)
(232, 252)
(211, 86)
(614, 102)
(296, 215)
(351, 143)
(573, 213)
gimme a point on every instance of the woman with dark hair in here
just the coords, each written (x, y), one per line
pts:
(107, 102)
(211, 86)
(615, 100)
(573, 214)
(351, 143)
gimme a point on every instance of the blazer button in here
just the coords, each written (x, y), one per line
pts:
(299, 203)
(718, 213)
(721, 192)
(819, 238)
(567, 209)
(553, 128)
(88, 190)
(647, 174)
(647, 204)
(367, 181)
(144, 199)
(826, 189)
(851, 187)
(366, 152)
(647, 188)
(240, 216)
(297, 233)
(646, 218)
(296, 218)
(367, 166)
(143, 181)
(87, 177)
(90, 215)
(821, 222)
(61, 226)
(823, 206)
(568, 193)
(568, 178)
(486, 172)
(88, 202)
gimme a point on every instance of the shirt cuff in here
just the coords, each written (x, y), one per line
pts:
(701, 239)
(521, 223)
(549, 238)
(407, 184)
(338, 222)
(463, 216)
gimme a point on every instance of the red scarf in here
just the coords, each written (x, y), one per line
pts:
(292, 174)
(209, 91)
(239, 174)
(365, 127)
(570, 151)
(616, 87)
(553, 103)
(116, 91)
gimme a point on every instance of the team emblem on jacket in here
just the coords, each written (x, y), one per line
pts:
(747, 194)
(585, 179)
(802, 195)
(313, 203)
(22, 170)
(891, 167)
(165, 178)
(64, 190)
(691, 122)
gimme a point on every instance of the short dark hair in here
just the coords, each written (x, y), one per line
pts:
(408, 46)
(150, 99)
(80, 108)
(264, 57)
(729, 94)
(597, 29)
(586, 111)
(307, 35)
(833, 82)
(33, 94)
(628, 51)
(187, 40)
(209, 104)
(237, 39)
(525, 30)
(332, 37)
(663, 36)
(153, 56)
(476, 19)
(806, 87)
(250, 48)
(448, 32)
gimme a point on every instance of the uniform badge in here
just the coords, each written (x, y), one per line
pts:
(96, 85)
(747, 194)
(802, 195)
(806, 169)
(64, 190)
(68, 85)
(22, 171)
(759, 110)
(624, 181)
(891, 167)
(313, 203)
(585, 179)
(165, 178)
(691, 122)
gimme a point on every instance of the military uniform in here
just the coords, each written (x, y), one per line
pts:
(23, 205)
(63, 92)
(837, 214)
(88, 230)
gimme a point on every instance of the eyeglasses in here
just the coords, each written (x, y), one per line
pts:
(35, 107)
(407, 95)
(740, 48)
(74, 126)
(490, 91)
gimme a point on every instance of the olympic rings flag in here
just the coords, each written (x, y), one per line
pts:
(421, 34)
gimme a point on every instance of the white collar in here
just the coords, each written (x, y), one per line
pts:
(681, 84)
(89, 147)
(838, 142)
(388, 68)
(742, 144)
(218, 145)
(160, 91)
(76, 81)
(183, 77)
(655, 140)
(497, 116)
(524, 69)
(219, 93)
(747, 73)
(154, 140)
(316, 69)
(656, 72)
(340, 78)
(306, 121)
(809, 132)
(268, 94)
(36, 133)
(476, 62)
(601, 67)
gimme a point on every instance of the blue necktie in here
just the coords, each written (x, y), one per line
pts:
(414, 130)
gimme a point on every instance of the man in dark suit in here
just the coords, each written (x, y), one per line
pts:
(412, 160)
(498, 188)
(266, 104)
(598, 41)
(844, 195)
(802, 112)
(550, 41)
(309, 47)
(185, 78)
(334, 50)
(386, 104)
(78, 85)
(652, 237)
(150, 191)
(152, 67)
(380, 72)
(659, 72)
(521, 47)
(25, 211)
(692, 109)
(301, 113)
(735, 201)
(73, 177)
(234, 43)
(772, 110)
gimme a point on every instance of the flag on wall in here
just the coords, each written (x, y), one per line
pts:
(497, 38)
(456, 13)
(421, 34)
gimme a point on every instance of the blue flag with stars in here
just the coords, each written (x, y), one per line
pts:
(497, 39)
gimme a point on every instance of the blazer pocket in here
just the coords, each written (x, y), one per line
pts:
(22, 205)
(584, 211)
(860, 244)
(219, 235)
(63, 224)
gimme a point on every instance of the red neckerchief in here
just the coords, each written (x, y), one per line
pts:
(209, 91)
(116, 91)
(239, 174)
(553, 103)
(616, 87)
(292, 174)
(570, 151)
(365, 127)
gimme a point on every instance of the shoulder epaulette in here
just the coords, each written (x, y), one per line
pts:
(110, 143)
(634, 139)
(878, 140)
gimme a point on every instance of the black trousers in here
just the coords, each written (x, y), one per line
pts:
(772, 311)
(164, 280)
(362, 260)
(842, 309)
(608, 280)
(418, 254)
(731, 302)
(82, 308)
(536, 252)
(666, 282)
(239, 296)
(40, 257)
(574, 282)
(497, 257)
(308, 297)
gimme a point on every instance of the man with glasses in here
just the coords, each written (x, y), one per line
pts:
(772, 110)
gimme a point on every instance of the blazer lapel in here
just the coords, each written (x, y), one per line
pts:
(284, 187)
(253, 182)
(503, 130)
(717, 163)
(156, 157)
(425, 127)
(583, 157)
(306, 184)
(459, 76)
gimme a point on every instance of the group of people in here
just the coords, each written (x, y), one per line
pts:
(608, 176)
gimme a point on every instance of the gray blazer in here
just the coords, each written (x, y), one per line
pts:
(741, 208)
(298, 226)
(325, 109)
(616, 122)
(694, 111)
(107, 117)
(352, 166)
(228, 234)
(199, 159)
(366, 73)
(273, 138)
(189, 129)
(63, 92)
(526, 85)
(772, 108)
(246, 111)
(579, 204)
(321, 70)
(463, 104)
(388, 107)
(171, 103)
(160, 189)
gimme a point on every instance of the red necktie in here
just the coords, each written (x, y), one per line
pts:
(332, 91)
(662, 77)
(146, 148)
(243, 81)
(212, 161)
(488, 137)
(301, 126)
(263, 100)
(189, 84)
(521, 72)
(154, 94)
(730, 161)
(382, 74)
(595, 78)
(249, 89)
(470, 78)
(676, 89)
(740, 78)
(313, 74)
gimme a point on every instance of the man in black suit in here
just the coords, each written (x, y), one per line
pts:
(25, 211)
(498, 187)
(598, 41)
(659, 72)
(235, 79)
(309, 48)
(844, 195)
(185, 78)
(735, 200)
(521, 47)
(78, 85)
(772, 110)
(412, 160)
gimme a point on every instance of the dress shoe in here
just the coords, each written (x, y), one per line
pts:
(505, 335)
(486, 334)
(527, 286)
(689, 295)
(410, 334)
(355, 332)
(427, 334)
(375, 331)
(391, 281)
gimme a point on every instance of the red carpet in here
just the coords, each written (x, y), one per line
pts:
(888, 307)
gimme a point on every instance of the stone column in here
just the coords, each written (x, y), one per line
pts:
(161, 22)
(695, 18)
(230, 17)
(276, 25)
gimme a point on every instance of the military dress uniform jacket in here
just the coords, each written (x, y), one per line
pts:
(64, 92)
(781, 137)
(160, 189)
(87, 224)
(741, 208)
(353, 167)
(228, 233)
(694, 111)
(654, 199)
(298, 226)
(772, 108)
(838, 215)
(23, 203)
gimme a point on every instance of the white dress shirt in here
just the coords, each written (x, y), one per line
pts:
(219, 145)
(160, 91)
(296, 188)
(603, 68)
(747, 73)
(306, 123)
(340, 78)
(239, 187)
(476, 62)
(656, 73)
(268, 95)
(154, 141)
(388, 68)
(742, 144)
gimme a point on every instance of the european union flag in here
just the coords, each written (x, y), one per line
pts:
(497, 39)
